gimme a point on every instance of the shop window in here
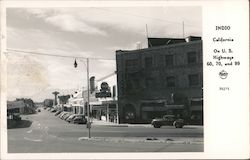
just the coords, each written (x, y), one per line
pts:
(193, 79)
(169, 60)
(171, 81)
(192, 57)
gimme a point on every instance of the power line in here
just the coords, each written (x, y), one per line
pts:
(54, 55)
(145, 17)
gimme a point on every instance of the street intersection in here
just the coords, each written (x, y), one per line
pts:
(50, 134)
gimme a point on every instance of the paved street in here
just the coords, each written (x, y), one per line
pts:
(49, 133)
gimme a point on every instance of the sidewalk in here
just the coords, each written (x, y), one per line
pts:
(112, 124)
(168, 140)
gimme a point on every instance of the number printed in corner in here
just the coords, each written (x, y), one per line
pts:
(224, 88)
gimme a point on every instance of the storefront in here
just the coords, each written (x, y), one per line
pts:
(67, 108)
(78, 106)
(159, 108)
(105, 110)
(196, 111)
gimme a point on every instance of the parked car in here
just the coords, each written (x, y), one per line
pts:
(53, 110)
(62, 114)
(66, 116)
(70, 117)
(58, 112)
(168, 120)
(79, 119)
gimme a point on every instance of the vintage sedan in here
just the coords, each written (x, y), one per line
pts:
(79, 119)
(168, 120)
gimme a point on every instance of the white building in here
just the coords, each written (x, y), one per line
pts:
(76, 102)
(105, 108)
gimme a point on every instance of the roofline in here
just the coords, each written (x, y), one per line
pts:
(157, 47)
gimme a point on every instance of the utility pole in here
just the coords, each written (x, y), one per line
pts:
(88, 97)
(149, 44)
(88, 107)
(183, 31)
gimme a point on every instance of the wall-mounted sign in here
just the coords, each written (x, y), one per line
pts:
(104, 91)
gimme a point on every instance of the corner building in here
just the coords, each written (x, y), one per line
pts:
(166, 78)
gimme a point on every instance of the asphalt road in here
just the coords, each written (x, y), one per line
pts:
(50, 134)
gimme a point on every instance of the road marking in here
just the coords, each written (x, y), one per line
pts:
(34, 140)
(29, 131)
(109, 131)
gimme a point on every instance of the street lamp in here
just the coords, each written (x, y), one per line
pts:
(88, 109)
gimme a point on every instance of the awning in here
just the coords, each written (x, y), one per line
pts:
(165, 108)
(196, 99)
(175, 106)
(67, 105)
(99, 107)
(154, 101)
(95, 103)
(109, 102)
(196, 108)
(154, 109)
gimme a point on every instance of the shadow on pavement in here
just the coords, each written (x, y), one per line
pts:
(18, 123)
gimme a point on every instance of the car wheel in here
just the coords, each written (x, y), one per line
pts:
(177, 125)
(157, 125)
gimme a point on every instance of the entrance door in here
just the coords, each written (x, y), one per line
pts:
(129, 113)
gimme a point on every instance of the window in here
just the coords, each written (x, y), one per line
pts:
(169, 59)
(193, 79)
(149, 82)
(131, 63)
(129, 85)
(191, 57)
(171, 81)
(136, 83)
(148, 62)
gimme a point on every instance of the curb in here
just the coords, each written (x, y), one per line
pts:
(145, 126)
(134, 140)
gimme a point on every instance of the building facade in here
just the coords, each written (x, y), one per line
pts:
(76, 103)
(162, 79)
(105, 107)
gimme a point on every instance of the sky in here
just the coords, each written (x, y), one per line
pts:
(82, 32)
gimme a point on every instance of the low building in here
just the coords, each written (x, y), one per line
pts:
(76, 102)
(19, 107)
(103, 101)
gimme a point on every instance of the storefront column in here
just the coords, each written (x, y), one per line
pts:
(107, 113)
(117, 113)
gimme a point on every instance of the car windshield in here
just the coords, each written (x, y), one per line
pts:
(71, 116)
(169, 117)
(80, 116)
